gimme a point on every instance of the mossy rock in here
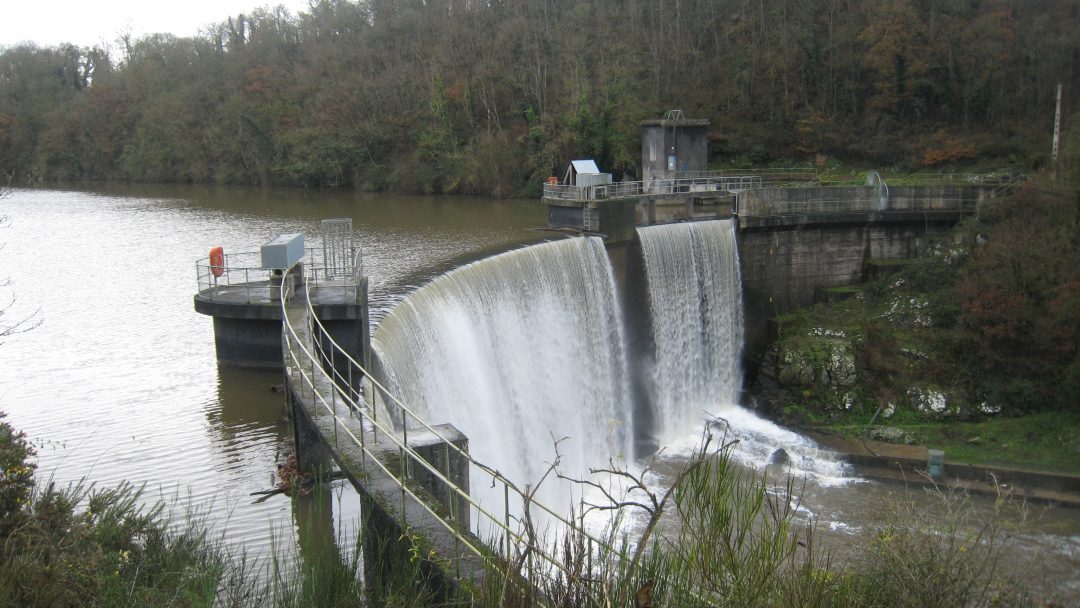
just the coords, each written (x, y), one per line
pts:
(822, 362)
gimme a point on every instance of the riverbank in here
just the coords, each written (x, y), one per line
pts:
(907, 464)
(970, 348)
(1046, 441)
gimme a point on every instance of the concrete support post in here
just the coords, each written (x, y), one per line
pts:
(449, 462)
(310, 455)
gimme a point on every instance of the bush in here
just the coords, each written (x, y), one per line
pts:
(83, 546)
(16, 477)
(112, 553)
(949, 559)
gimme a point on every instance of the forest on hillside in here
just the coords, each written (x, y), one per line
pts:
(490, 97)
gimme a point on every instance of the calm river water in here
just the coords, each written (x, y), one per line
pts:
(120, 382)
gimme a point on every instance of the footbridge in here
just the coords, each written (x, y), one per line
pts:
(310, 316)
(413, 477)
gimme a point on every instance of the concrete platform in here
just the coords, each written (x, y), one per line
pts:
(247, 319)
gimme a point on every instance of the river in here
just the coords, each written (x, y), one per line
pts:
(120, 381)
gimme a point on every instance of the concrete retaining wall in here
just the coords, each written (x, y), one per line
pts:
(783, 263)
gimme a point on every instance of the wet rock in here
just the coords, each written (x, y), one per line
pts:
(931, 401)
(841, 365)
(890, 434)
(795, 367)
(780, 456)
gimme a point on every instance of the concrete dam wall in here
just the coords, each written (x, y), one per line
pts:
(794, 241)
(783, 265)
(562, 342)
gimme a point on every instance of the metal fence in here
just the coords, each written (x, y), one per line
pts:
(689, 183)
(615, 190)
(857, 205)
(241, 270)
(954, 193)
(656, 187)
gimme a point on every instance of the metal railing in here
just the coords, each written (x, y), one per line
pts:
(690, 182)
(655, 187)
(877, 196)
(939, 179)
(856, 205)
(244, 280)
(601, 192)
(240, 271)
(327, 375)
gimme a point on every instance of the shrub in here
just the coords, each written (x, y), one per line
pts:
(16, 477)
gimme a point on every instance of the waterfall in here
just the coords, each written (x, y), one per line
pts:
(516, 350)
(695, 303)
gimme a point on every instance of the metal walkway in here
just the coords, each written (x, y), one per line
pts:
(384, 458)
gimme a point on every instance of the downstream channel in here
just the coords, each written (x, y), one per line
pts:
(120, 383)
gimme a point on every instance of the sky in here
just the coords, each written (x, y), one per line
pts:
(87, 23)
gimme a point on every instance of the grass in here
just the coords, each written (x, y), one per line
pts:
(1046, 441)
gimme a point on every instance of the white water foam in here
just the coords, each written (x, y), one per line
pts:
(525, 348)
(695, 298)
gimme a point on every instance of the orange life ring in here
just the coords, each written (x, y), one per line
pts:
(553, 181)
(217, 261)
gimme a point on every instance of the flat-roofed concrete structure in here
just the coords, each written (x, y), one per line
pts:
(673, 146)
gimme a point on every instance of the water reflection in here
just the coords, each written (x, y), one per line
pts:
(248, 399)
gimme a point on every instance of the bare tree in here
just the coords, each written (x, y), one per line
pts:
(653, 504)
(9, 327)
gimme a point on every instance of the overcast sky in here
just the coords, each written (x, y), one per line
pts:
(86, 22)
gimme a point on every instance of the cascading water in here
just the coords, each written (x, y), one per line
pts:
(525, 348)
(692, 270)
(695, 302)
(516, 350)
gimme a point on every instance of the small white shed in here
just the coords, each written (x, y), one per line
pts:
(585, 173)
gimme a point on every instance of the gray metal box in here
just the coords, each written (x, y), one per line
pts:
(593, 179)
(283, 251)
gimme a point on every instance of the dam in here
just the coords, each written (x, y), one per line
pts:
(567, 355)
(560, 356)
(535, 346)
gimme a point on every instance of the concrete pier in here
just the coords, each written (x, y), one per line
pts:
(247, 324)
(247, 313)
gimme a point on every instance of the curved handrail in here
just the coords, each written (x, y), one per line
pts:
(357, 405)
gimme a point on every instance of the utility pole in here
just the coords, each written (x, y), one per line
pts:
(1057, 134)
